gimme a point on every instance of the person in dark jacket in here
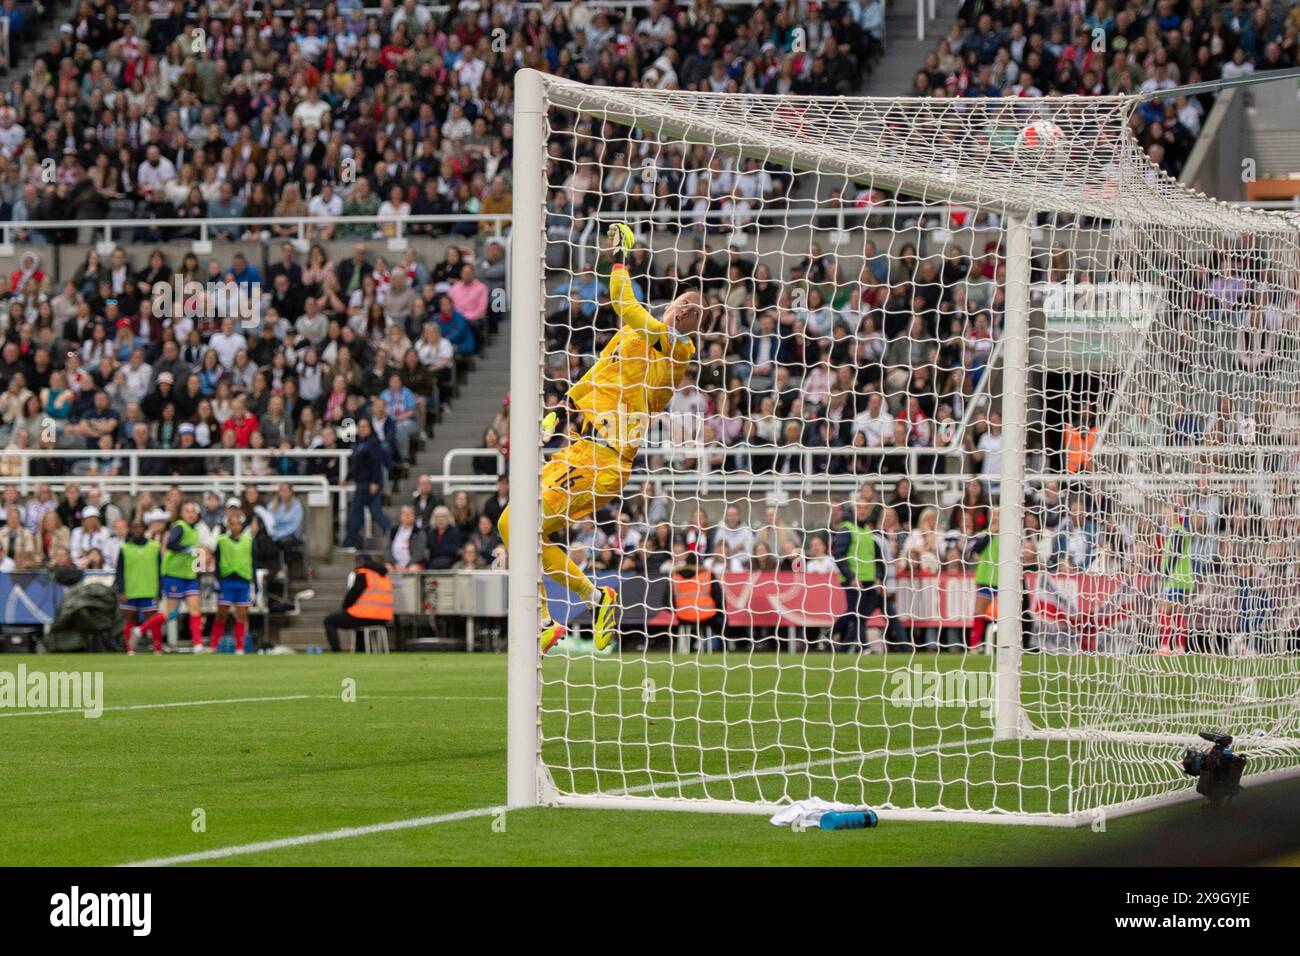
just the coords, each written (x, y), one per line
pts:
(444, 540)
(366, 467)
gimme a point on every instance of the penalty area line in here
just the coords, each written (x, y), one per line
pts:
(346, 833)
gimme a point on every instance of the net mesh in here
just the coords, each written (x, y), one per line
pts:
(804, 547)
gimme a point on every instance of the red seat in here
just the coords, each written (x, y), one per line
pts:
(878, 621)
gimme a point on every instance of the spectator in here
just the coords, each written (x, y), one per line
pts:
(408, 545)
(444, 540)
(90, 535)
(366, 468)
(286, 525)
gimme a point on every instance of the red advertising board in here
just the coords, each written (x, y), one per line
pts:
(781, 599)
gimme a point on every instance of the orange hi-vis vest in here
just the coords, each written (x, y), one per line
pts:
(376, 601)
(693, 597)
(1079, 443)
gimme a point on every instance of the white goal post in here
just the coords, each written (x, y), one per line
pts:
(1125, 350)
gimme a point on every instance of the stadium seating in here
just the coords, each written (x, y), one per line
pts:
(1010, 48)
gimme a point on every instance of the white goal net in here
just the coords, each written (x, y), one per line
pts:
(974, 495)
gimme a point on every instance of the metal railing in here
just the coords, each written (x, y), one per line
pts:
(133, 457)
(804, 211)
(924, 13)
(134, 482)
(696, 482)
(212, 225)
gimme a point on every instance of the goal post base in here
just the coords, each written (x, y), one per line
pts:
(768, 809)
(1079, 818)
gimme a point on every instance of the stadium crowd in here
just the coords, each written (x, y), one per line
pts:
(171, 111)
(174, 110)
(1029, 48)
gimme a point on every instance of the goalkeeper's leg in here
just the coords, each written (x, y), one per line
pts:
(550, 632)
(557, 566)
(574, 484)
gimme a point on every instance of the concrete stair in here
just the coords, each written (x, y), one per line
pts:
(467, 414)
(904, 53)
(58, 13)
(470, 411)
(330, 585)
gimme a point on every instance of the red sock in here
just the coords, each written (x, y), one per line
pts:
(1165, 629)
(1180, 631)
(155, 624)
(241, 629)
(219, 628)
(127, 633)
(196, 629)
(977, 631)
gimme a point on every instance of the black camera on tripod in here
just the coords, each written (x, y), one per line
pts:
(1218, 770)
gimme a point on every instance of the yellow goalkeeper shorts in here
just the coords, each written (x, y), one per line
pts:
(578, 480)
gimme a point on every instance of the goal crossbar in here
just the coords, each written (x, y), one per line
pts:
(894, 141)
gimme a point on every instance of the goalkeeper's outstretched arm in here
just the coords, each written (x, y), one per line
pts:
(629, 310)
(682, 314)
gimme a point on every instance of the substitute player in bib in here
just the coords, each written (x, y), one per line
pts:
(986, 579)
(139, 582)
(631, 382)
(180, 568)
(234, 561)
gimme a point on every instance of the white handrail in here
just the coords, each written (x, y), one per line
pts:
(130, 484)
(802, 209)
(135, 482)
(720, 481)
(217, 221)
(209, 225)
(342, 453)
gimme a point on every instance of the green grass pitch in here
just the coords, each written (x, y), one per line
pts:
(266, 748)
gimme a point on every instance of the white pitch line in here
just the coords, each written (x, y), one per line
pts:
(174, 703)
(309, 838)
(237, 700)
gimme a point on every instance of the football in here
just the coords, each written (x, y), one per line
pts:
(1041, 136)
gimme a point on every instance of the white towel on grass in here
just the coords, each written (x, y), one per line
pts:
(806, 813)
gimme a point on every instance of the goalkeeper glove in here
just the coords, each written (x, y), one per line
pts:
(621, 237)
(548, 426)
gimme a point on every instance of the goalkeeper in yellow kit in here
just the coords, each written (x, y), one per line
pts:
(630, 383)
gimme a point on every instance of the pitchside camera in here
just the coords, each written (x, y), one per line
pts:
(1218, 770)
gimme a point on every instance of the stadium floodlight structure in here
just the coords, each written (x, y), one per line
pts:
(1156, 325)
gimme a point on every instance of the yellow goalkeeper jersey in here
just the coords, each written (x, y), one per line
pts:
(634, 378)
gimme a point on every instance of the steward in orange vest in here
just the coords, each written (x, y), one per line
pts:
(375, 602)
(368, 603)
(697, 598)
(693, 599)
(1079, 443)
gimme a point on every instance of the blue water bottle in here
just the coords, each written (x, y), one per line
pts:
(849, 819)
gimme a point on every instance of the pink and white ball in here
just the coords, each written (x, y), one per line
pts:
(1041, 136)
